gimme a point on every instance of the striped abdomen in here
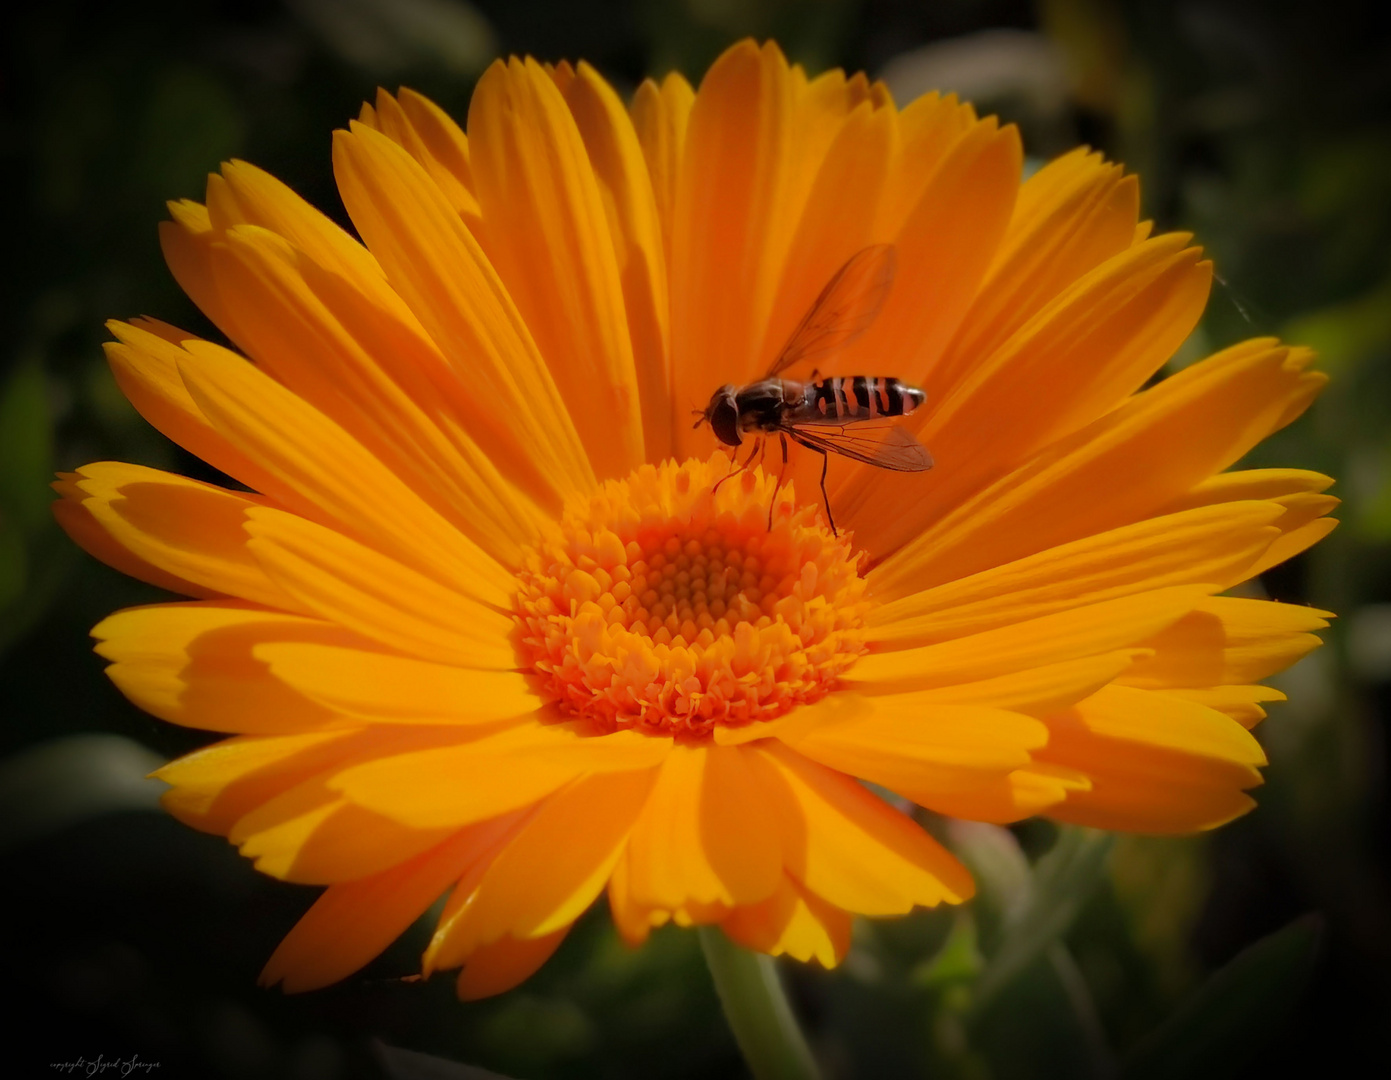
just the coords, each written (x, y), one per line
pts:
(857, 397)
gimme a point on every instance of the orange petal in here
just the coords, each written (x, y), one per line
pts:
(839, 221)
(1272, 484)
(1142, 456)
(792, 922)
(1071, 216)
(1130, 801)
(1297, 490)
(548, 237)
(1037, 691)
(336, 578)
(1241, 703)
(314, 312)
(354, 921)
(191, 531)
(1294, 542)
(194, 664)
(445, 140)
(911, 735)
(85, 531)
(1134, 715)
(1077, 359)
(636, 229)
(1228, 640)
(633, 921)
(441, 272)
(500, 965)
(314, 457)
(930, 127)
(452, 943)
(309, 834)
(372, 374)
(851, 848)
(1157, 763)
(944, 243)
(937, 755)
(705, 835)
(660, 117)
(211, 788)
(1065, 635)
(427, 133)
(1034, 789)
(558, 862)
(819, 109)
(186, 242)
(456, 785)
(145, 363)
(381, 687)
(732, 179)
(261, 199)
(944, 246)
(1212, 544)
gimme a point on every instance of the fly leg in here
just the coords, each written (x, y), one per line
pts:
(826, 499)
(782, 437)
(757, 448)
(825, 464)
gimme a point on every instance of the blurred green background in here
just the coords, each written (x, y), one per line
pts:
(1264, 127)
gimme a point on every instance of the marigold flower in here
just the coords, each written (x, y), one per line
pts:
(482, 623)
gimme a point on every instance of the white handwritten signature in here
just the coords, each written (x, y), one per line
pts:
(101, 1064)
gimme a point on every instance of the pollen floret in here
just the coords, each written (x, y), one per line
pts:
(663, 604)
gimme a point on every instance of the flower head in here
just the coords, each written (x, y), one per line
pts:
(488, 618)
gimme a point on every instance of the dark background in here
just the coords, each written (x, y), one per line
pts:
(1264, 127)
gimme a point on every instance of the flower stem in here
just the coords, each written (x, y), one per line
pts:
(757, 1010)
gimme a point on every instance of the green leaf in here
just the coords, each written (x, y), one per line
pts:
(190, 121)
(958, 961)
(44, 569)
(391, 36)
(1063, 881)
(13, 562)
(26, 449)
(1348, 334)
(1004, 878)
(530, 1032)
(1042, 1025)
(401, 1064)
(1235, 1013)
(59, 783)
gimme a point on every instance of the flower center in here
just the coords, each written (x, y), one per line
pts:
(666, 605)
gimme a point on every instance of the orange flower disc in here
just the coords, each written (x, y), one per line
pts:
(670, 606)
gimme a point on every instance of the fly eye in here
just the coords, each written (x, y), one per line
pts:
(724, 422)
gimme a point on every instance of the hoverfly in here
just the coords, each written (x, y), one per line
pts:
(851, 415)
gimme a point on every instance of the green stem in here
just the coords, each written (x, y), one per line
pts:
(757, 1010)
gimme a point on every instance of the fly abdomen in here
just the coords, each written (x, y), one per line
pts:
(845, 398)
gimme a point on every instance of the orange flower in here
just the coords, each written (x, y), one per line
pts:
(483, 625)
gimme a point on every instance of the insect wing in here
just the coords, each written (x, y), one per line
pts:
(846, 308)
(883, 445)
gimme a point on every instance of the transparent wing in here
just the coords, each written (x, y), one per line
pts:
(846, 308)
(875, 442)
